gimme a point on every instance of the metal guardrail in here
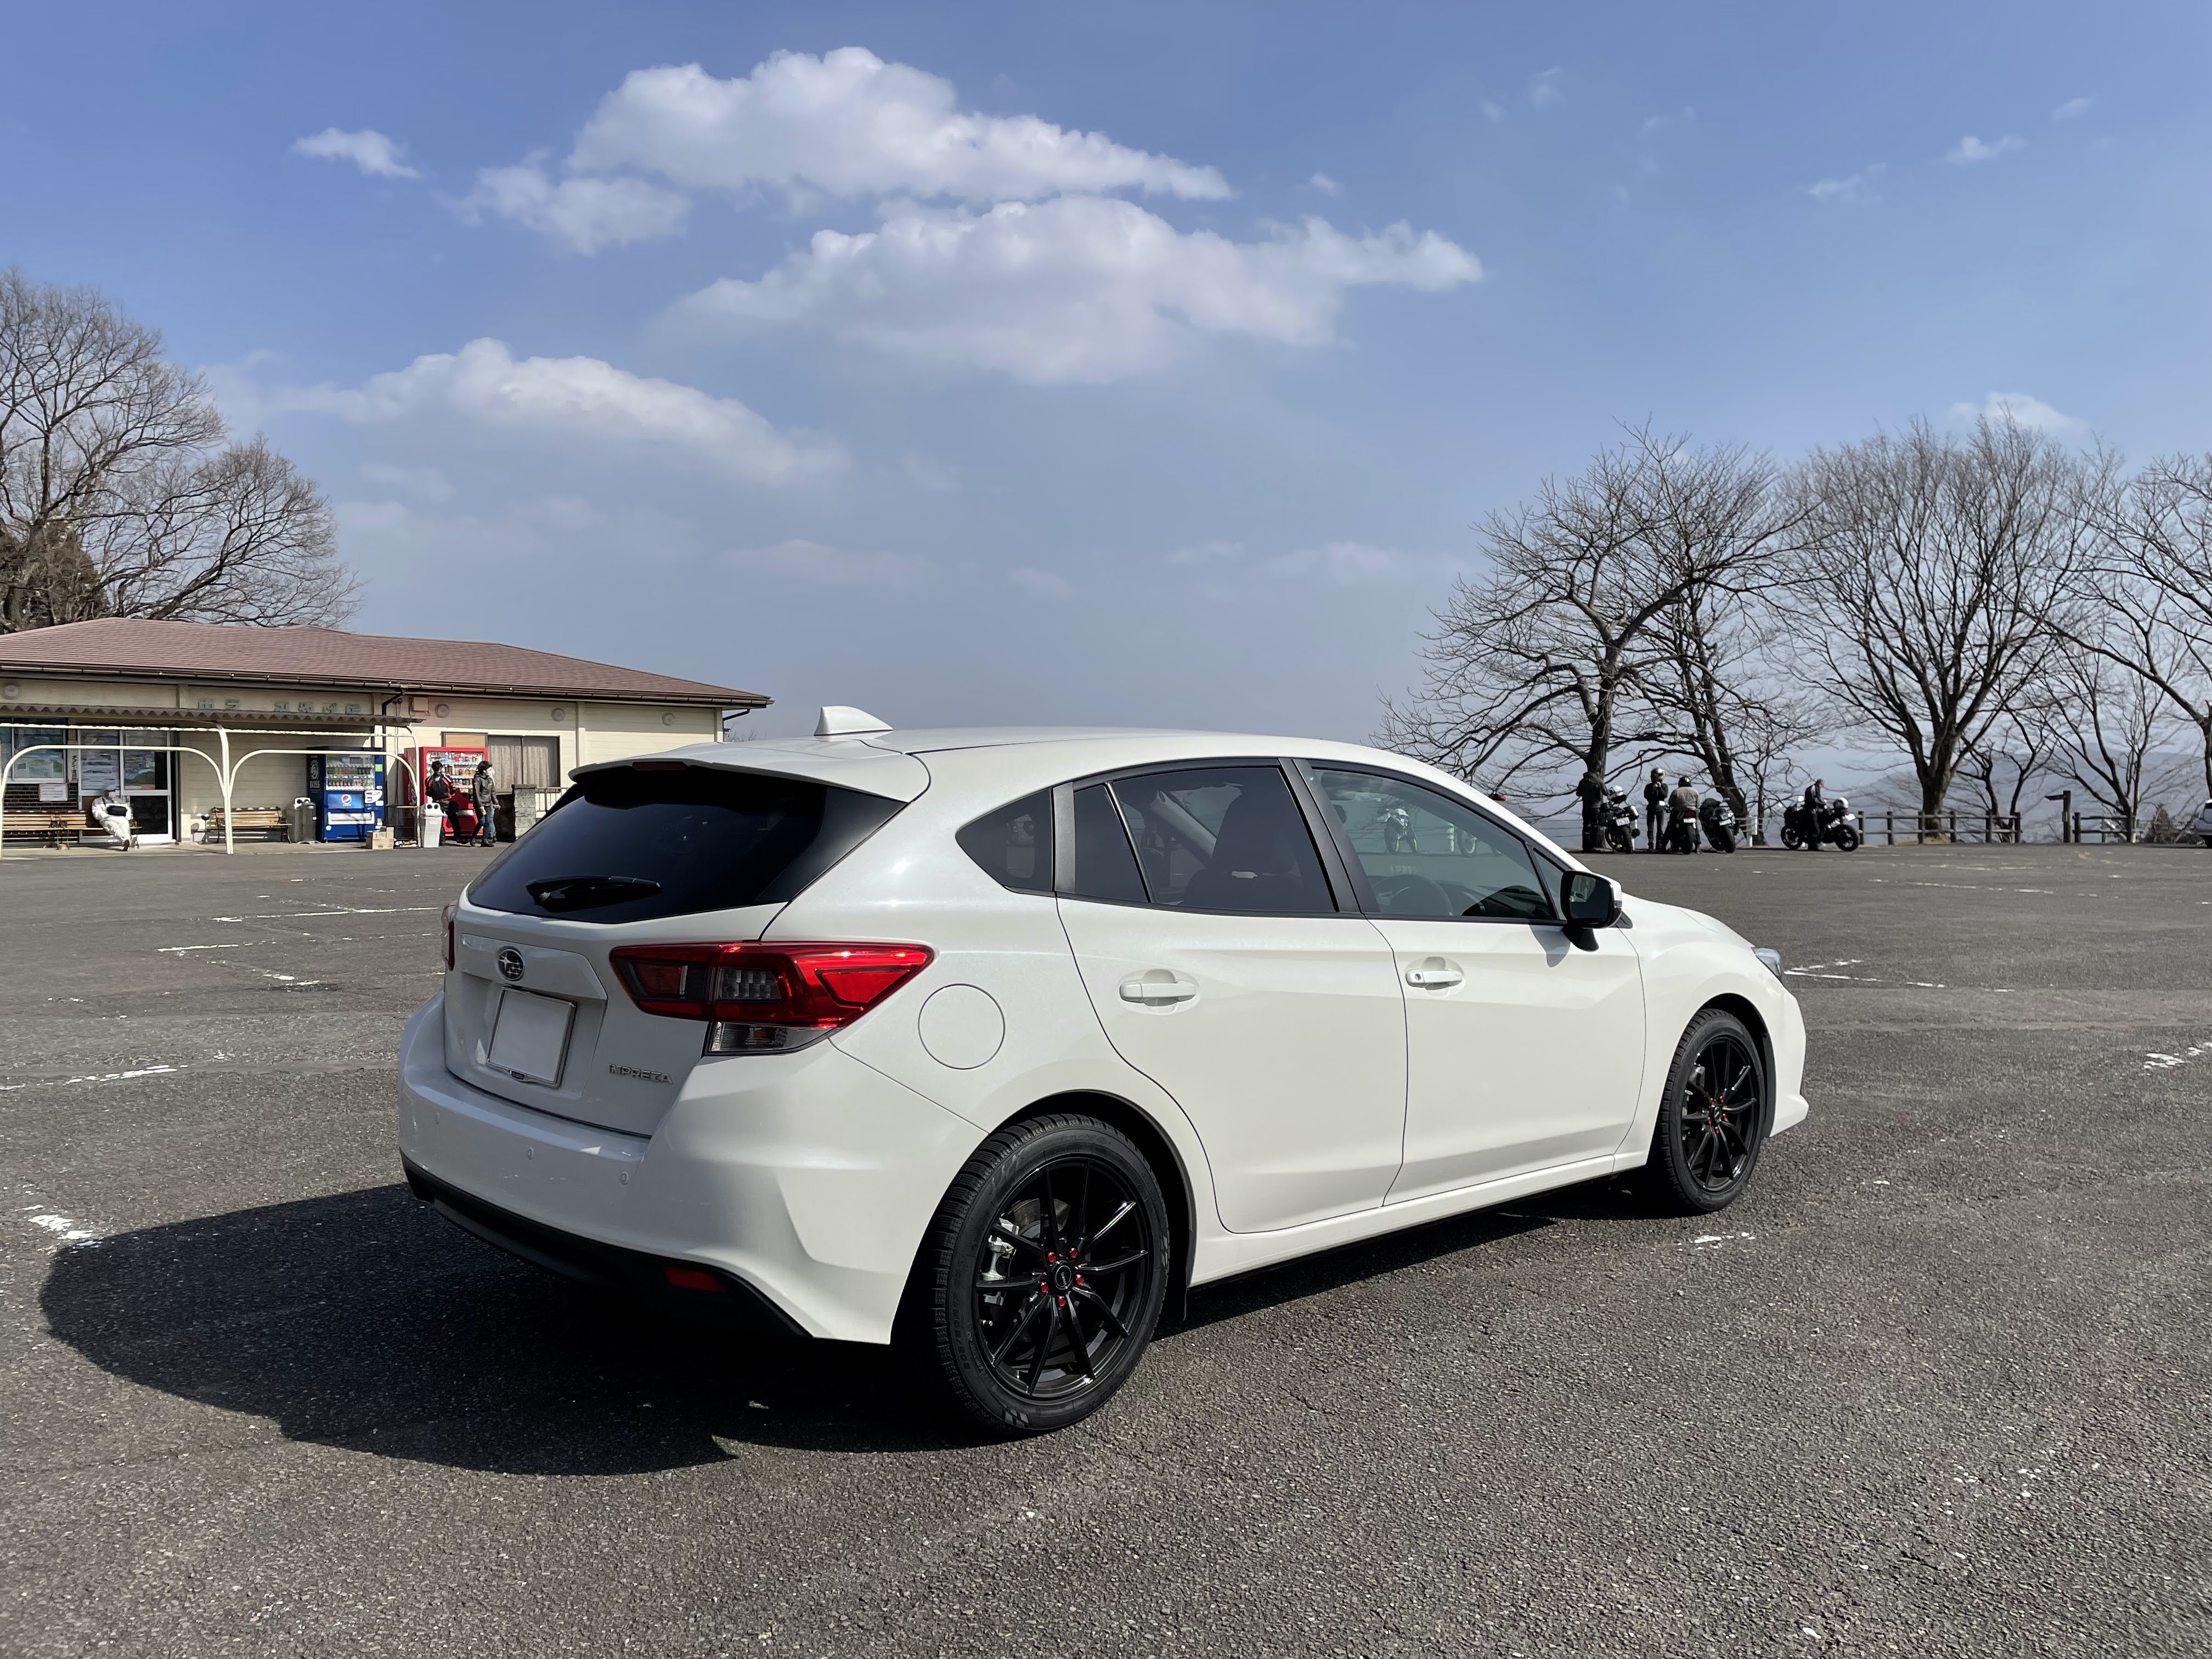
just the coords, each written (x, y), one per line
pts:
(1991, 829)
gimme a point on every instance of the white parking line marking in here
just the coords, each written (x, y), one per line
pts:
(103, 1076)
(66, 1232)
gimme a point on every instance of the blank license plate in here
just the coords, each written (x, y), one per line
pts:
(530, 1036)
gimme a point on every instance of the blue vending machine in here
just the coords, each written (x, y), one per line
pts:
(347, 787)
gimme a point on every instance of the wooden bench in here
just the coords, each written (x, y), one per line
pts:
(272, 821)
(49, 826)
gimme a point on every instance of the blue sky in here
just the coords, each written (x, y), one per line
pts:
(832, 375)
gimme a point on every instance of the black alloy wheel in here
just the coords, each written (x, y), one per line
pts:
(1045, 1273)
(1713, 1120)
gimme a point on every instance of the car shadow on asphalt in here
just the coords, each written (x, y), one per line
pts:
(1350, 1264)
(365, 1320)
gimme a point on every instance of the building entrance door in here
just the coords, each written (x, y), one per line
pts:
(147, 785)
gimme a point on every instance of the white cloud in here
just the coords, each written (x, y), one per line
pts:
(581, 399)
(1544, 88)
(2018, 409)
(1348, 563)
(370, 150)
(1077, 288)
(1495, 111)
(2072, 109)
(1970, 150)
(1854, 187)
(1325, 185)
(1654, 124)
(1042, 582)
(828, 566)
(847, 124)
(587, 214)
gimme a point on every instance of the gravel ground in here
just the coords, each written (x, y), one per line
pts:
(1939, 1385)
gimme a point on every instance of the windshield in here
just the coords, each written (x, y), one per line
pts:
(633, 843)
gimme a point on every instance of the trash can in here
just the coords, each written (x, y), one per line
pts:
(301, 826)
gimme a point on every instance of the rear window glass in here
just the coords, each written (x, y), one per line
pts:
(632, 844)
(1014, 844)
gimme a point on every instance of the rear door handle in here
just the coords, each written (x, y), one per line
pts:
(1434, 974)
(1158, 988)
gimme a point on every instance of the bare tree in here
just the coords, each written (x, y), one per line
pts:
(118, 494)
(1932, 573)
(1538, 668)
(1724, 679)
(2144, 597)
(2111, 721)
(2015, 749)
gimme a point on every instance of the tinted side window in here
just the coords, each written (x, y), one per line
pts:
(1014, 844)
(1105, 868)
(1426, 854)
(1225, 838)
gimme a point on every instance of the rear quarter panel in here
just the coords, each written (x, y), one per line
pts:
(911, 883)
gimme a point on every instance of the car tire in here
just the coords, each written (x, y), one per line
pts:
(1065, 1212)
(1712, 1120)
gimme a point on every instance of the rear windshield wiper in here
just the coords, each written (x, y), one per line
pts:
(558, 895)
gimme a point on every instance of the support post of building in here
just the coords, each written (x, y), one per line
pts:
(229, 825)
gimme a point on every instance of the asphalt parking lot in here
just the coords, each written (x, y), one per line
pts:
(1940, 1385)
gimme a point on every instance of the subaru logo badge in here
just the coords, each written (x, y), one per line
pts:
(510, 965)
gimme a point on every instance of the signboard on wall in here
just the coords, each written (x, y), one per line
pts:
(98, 772)
(53, 791)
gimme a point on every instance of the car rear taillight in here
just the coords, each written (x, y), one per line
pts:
(762, 999)
(449, 936)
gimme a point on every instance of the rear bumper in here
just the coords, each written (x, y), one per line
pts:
(807, 1179)
(633, 1272)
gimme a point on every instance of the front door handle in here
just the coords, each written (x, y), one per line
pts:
(1434, 974)
(1157, 987)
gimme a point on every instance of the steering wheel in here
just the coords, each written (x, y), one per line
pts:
(1413, 895)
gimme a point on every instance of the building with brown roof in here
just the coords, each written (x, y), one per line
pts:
(156, 711)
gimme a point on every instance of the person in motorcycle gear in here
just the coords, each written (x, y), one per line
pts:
(1591, 792)
(1655, 810)
(1682, 818)
(1816, 803)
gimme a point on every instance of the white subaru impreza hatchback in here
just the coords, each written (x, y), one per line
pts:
(991, 1043)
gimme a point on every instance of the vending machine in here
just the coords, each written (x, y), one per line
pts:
(460, 771)
(347, 787)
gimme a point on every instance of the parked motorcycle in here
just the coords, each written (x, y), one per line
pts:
(1680, 835)
(1838, 823)
(1617, 819)
(1722, 828)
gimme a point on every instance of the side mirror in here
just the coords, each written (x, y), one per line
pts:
(1587, 901)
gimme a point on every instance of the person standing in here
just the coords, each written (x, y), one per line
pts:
(1682, 817)
(485, 789)
(1591, 792)
(1654, 811)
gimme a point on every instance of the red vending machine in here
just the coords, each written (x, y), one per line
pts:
(407, 789)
